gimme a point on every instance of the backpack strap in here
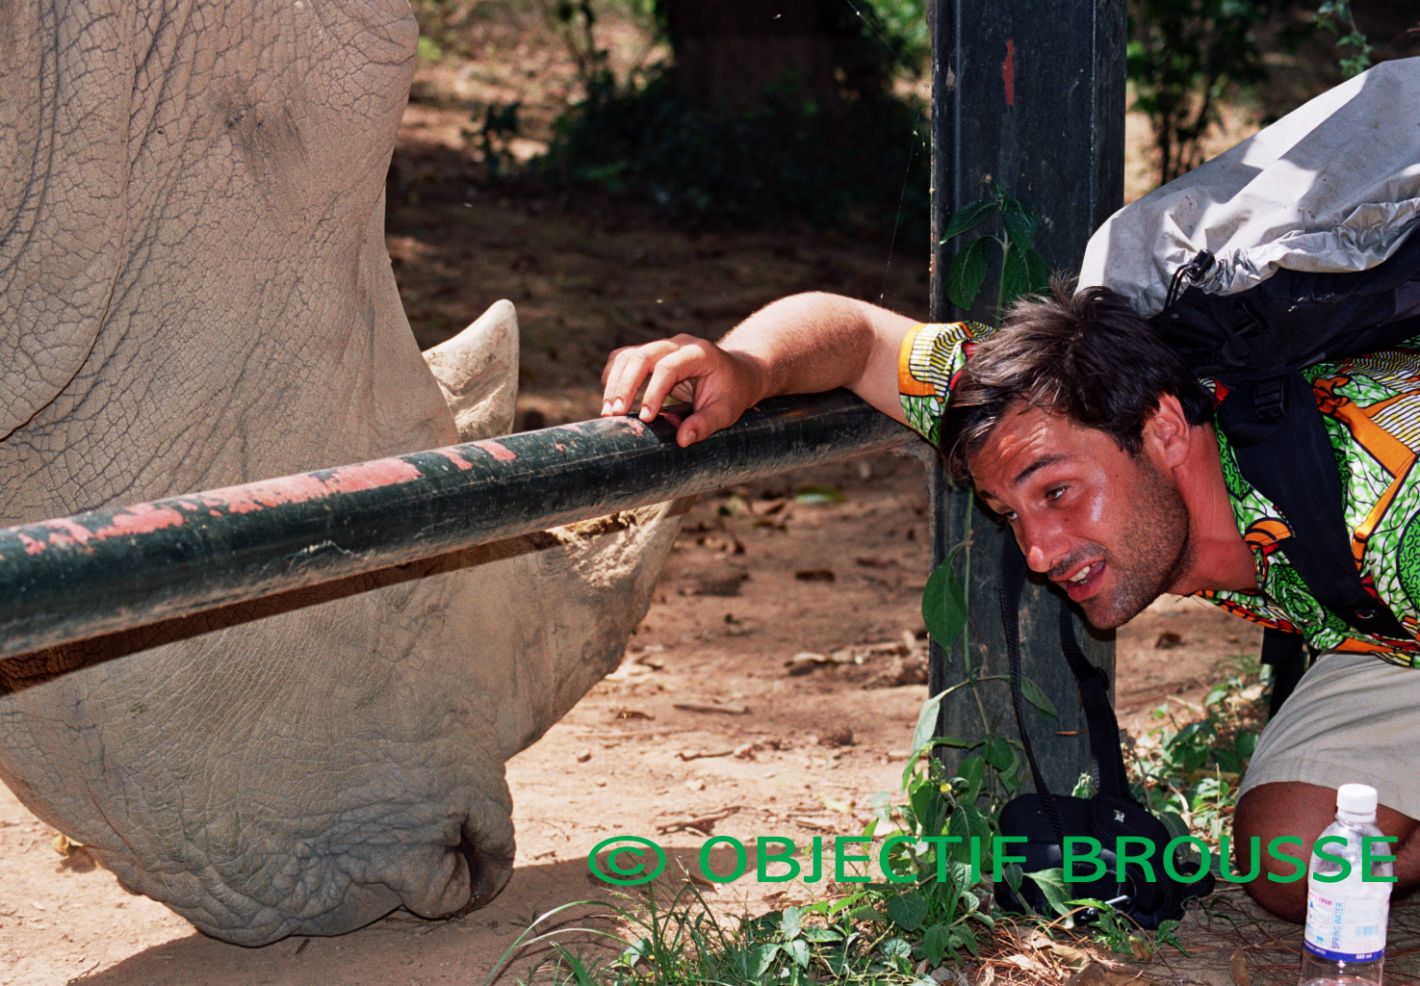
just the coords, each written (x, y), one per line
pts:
(1283, 449)
(1285, 652)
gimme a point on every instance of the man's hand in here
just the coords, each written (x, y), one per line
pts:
(719, 386)
(802, 344)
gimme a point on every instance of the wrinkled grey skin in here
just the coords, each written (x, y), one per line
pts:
(197, 293)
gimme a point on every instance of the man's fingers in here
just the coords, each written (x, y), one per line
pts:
(705, 422)
(611, 359)
(626, 371)
(623, 380)
(670, 371)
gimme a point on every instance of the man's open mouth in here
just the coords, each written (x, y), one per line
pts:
(1084, 581)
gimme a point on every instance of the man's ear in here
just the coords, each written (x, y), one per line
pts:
(1167, 433)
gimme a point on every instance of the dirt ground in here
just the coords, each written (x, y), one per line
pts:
(771, 689)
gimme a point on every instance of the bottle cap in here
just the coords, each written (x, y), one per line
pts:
(1357, 799)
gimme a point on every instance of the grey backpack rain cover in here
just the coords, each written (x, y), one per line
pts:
(1332, 186)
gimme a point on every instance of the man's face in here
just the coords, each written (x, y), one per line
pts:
(1109, 527)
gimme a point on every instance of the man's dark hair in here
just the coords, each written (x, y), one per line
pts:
(1086, 355)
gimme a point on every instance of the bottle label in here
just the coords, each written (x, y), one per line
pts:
(1346, 925)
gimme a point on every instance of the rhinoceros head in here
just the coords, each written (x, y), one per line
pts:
(197, 295)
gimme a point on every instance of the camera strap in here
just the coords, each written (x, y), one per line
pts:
(1045, 821)
(1091, 681)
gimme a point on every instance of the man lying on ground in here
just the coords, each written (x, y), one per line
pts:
(1094, 443)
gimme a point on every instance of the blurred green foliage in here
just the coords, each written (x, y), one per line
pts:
(904, 25)
(438, 23)
(859, 156)
(862, 151)
(1184, 58)
(1187, 59)
(784, 156)
(1352, 45)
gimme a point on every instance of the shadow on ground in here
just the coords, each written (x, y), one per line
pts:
(464, 948)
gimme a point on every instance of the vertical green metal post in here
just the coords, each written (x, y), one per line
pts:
(1029, 94)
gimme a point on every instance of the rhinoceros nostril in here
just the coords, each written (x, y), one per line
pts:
(488, 870)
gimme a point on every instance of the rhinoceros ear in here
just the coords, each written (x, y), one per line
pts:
(477, 371)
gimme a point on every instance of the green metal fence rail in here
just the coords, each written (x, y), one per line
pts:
(117, 568)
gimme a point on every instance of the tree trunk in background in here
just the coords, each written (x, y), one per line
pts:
(729, 52)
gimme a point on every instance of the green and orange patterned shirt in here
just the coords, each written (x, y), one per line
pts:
(1371, 409)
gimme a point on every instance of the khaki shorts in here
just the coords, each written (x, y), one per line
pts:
(1353, 718)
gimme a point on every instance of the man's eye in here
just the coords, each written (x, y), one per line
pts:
(1009, 516)
(1055, 492)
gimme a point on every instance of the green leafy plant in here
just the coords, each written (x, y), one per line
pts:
(847, 940)
(1023, 269)
(748, 167)
(997, 227)
(576, 22)
(884, 934)
(945, 909)
(761, 161)
(1351, 44)
(438, 24)
(1189, 766)
(881, 933)
(901, 25)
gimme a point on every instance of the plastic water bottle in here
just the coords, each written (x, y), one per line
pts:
(1345, 935)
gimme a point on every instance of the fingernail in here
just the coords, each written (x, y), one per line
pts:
(646, 414)
(616, 406)
(690, 437)
(606, 408)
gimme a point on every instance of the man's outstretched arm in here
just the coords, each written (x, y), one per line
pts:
(802, 344)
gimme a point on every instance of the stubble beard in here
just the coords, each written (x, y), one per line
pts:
(1158, 552)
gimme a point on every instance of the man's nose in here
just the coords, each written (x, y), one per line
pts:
(1036, 558)
(1042, 546)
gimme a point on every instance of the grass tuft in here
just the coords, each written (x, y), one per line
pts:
(940, 923)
